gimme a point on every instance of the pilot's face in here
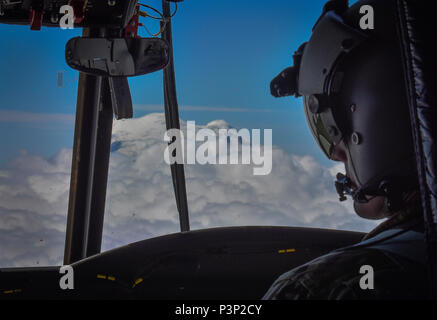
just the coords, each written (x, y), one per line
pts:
(375, 208)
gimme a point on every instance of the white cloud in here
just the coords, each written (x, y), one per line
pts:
(140, 204)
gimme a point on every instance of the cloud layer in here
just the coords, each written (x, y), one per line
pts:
(140, 201)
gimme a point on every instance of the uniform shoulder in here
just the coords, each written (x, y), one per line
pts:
(338, 275)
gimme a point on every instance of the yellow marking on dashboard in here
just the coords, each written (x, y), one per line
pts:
(101, 276)
(287, 250)
(12, 291)
(139, 280)
(111, 278)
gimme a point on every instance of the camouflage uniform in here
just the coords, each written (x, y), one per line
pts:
(396, 252)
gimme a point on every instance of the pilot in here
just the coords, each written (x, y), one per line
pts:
(353, 88)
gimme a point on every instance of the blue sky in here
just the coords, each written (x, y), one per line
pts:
(226, 53)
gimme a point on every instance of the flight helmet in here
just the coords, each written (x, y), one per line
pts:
(353, 88)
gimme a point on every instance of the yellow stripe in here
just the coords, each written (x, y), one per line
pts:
(12, 291)
(102, 276)
(287, 250)
(139, 280)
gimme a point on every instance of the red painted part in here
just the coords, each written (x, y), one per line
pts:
(131, 30)
(78, 7)
(35, 19)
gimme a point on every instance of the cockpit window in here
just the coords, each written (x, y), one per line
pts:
(225, 53)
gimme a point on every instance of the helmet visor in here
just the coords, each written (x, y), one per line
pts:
(318, 129)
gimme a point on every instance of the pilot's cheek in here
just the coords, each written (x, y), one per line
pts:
(374, 209)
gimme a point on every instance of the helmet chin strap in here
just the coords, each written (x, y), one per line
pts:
(393, 195)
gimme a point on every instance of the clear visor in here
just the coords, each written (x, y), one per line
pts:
(318, 129)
